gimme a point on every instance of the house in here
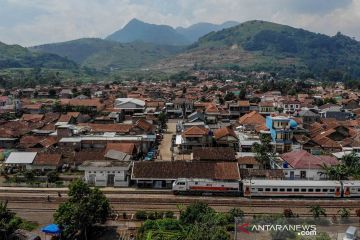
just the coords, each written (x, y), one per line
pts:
(281, 130)
(340, 115)
(248, 162)
(304, 165)
(46, 161)
(212, 114)
(267, 108)
(237, 109)
(129, 106)
(252, 121)
(219, 154)
(94, 104)
(195, 136)
(66, 93)
(226, 137)
(196, 116)
(351, 104)
(21, 159)
(291, 106)
(309, 117)
(106, 173)
(163, 173)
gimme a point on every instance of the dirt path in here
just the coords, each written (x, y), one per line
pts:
(165, 151)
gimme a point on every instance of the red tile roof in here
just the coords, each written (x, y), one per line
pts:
(196, 131)
(224, 132)
(305, 160)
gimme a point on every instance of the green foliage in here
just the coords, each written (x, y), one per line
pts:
(141, 215)
(84, 208)
(317, 211)
(197, 222)
(235, 213)
(162, 120)
(229, 96)
(349, 166)
(9, 222)
(15, 56)
(294, 51)
(107, 55)
(52, 176)
(263, 151)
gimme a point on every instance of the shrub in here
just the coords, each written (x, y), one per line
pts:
(52, 176)
(141, 215)
(288, 213)
(169, 214)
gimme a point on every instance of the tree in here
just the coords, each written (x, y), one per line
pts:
(162, 120)
(317, 211)
(235, 213)
(337, 172)
(263, 151)
(9, 222)
(84, 208)
(229, 96)
(242, 94)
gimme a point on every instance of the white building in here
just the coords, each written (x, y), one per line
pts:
(106, 173)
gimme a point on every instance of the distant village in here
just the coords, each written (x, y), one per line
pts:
(149, 134)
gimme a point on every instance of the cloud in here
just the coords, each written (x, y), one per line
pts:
(31, 22)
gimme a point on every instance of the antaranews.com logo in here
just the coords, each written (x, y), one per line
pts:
(299, 229)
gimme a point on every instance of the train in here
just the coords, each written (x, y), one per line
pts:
(268, 188)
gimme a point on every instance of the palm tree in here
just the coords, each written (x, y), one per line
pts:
(317, 211)
(352, 162)
(337, 172)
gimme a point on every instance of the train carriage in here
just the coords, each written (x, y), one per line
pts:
(200, 186)
(351, 189)
(291, 188)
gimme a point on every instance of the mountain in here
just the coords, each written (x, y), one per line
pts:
(266, 46)
(15, 56)
(137, 30)
(105, 55)
(194, 32)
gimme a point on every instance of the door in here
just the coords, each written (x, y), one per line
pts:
(92, 179)
(292, 175)
(110, 180)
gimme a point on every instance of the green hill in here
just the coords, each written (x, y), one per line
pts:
(137, 30)
(15, 56)
(105, 55)
(265, 46)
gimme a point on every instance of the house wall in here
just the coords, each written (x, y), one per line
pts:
(311, 174)
(100, 177)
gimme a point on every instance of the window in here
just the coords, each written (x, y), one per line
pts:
(303, 190)
(310, 190)
(282, 189)
(325, 190)
(289, 189)
(260, 189)
(275, 189)
(267, 189)
(296, 190)
(196, 183)
(318, 190)
(180, 183)
(332, 190)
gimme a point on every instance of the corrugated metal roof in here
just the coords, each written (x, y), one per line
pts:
(21, 158)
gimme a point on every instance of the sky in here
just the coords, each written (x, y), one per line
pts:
(34, 22)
